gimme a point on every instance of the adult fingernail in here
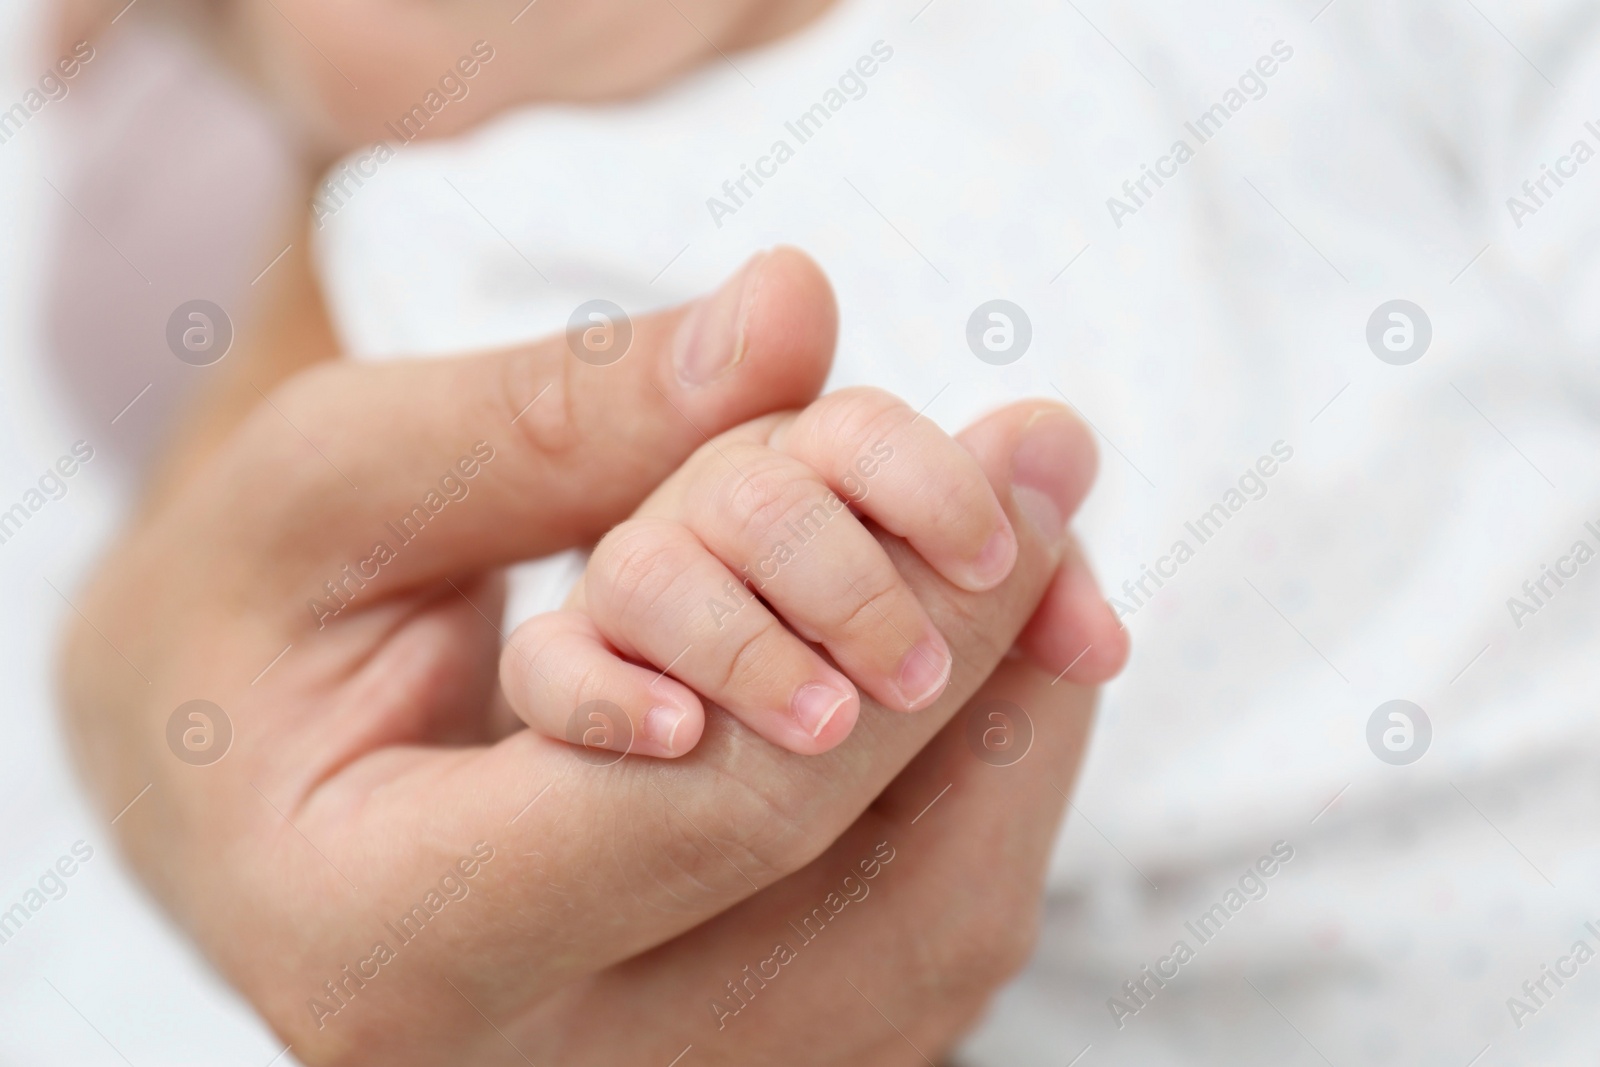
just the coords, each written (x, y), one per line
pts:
(924, 672)
(710, 339)
(815, 705)
(660, 727)
(1041, 480)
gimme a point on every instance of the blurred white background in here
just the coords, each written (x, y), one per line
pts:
(152, 177)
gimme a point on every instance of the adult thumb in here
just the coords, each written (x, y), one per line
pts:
(425, 469)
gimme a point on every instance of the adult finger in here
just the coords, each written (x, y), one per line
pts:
(420, 469)
(1075, 635)
(897, 934)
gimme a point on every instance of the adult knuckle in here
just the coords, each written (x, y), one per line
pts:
(667, 855)
(982, 947)
(763, 827)
(298, 405)
(304, 395)
(773, 841)
(750, 836)
(538, 402)
(269, 449)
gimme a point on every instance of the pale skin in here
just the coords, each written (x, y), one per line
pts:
(387, 742)
(787, 653)
(370, 758)
(689, 601)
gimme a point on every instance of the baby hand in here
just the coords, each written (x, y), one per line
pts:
(755, 564)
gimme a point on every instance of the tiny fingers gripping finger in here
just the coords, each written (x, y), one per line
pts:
(563, 680)
(658, 594)
(909, 477)
(774, 519)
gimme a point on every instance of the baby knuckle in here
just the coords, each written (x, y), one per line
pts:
(751, 662)
(591, 682)
(535, 636)
(955, 501)
(759, 497)
(520, 656)
(856, 418)
(971, 623)
(873, 600)
(636, 565)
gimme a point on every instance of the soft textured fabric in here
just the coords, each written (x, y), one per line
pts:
(1204, 326)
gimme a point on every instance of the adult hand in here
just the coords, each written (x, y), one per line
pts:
(391, 876)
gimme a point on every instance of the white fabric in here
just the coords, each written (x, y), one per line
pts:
(1227, 314)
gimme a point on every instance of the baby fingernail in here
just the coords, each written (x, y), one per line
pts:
(996, 558)
(710, 339)
(1040, 474)
(815, 705)
(924, 672)
(660, 726)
